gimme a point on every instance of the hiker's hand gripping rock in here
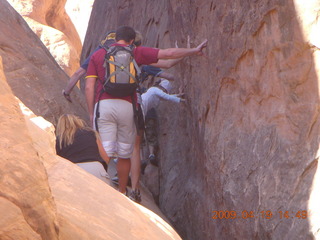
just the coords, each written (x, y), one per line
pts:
(201, 46)
(66, 95)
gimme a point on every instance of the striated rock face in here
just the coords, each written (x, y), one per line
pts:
(248, 136)
(49, 20)
(32, 73)
(28, 210)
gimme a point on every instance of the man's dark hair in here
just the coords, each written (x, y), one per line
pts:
(125, 33)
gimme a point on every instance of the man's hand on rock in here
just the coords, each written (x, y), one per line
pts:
(66, 95)
(201, 46)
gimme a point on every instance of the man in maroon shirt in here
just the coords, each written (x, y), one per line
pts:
(116, 121)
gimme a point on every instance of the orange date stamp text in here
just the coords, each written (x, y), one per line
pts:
(268, 214)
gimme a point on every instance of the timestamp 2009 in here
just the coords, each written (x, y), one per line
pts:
(268, 214)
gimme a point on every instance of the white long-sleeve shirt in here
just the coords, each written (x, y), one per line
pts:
(153, 96)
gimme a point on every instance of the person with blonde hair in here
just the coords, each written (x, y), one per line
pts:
(79, 143)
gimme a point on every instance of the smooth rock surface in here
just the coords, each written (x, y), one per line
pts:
(50, 21)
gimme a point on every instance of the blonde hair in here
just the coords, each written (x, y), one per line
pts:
(67, 126)
(138, 40)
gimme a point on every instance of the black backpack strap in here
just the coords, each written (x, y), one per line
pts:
(138, 70)
(97, 115)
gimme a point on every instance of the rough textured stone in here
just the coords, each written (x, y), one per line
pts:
(150, 178)
(248, 136)
(28, 209)
(49, 20)
(32, 73)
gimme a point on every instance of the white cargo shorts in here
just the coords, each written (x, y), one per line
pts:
(116, 127)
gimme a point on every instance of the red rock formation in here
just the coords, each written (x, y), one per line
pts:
(32, 73)
(28, 210)
(248, 137)
(49, 20)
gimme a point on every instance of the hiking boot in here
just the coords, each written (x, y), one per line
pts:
(129, 182)
(153, 160)
(126, 193)
(135, 196)
(144, 164)
(115, 180)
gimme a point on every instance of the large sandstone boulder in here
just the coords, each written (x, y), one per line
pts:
(28, 210)
(32, 73)
(248, 137)
(51, 23)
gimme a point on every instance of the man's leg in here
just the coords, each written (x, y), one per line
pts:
(136, 162)
(135, 159)
(151, 149)
(151, 135)
(123, 169)
(126, 133)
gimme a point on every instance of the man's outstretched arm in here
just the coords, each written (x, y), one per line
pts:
(166, 75)
(72, 82)
(166, 64)
(173, 53)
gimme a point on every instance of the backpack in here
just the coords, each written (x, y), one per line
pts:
(122, 76)
(122, 71)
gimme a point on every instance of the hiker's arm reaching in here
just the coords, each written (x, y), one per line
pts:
(170, 62)
(168, 97)
(90, 86)
(72, 82)
(166, 75)
(74, 79)
(166, 63)
(173, 53)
